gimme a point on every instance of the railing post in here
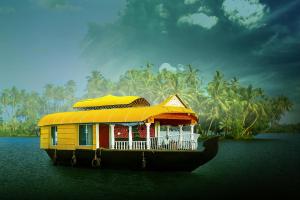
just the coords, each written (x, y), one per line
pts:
(112, 136)
(148, 135)
(130, 136)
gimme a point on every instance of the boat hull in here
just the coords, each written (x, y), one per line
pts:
(158, 160)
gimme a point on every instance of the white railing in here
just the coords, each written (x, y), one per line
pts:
(170, 142)
(123, 145)
(175, 142)
(139, 144)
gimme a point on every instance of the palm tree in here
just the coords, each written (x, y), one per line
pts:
(251, 100)
(217, 101)
(69, 94)
(5, 101)
(279, 106)
(97, 85)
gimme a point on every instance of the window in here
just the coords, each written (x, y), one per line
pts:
(54, 135)
(85, 134)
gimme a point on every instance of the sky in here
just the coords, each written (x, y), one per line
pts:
(53, 41)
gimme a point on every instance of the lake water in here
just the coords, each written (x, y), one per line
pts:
(268, 166)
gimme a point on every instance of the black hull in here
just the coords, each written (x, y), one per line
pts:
(157, 160)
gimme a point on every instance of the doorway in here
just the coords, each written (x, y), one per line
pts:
(103, 136)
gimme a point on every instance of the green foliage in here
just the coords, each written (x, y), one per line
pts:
(21, 110)
(224, 107)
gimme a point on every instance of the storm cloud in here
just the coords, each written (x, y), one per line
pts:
(257, 41)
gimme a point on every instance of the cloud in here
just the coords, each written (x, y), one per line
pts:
(247, 13)
(199, 19)
(168, 67)
(60, 5)
(201, 34)
(282, 10)
(259, 79)
(162, 12)
(5, 10)
(189, 2)
(210, 35)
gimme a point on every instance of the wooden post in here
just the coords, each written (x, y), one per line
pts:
(97, 136)
(148, 135)
(112, 136)
(130, 136)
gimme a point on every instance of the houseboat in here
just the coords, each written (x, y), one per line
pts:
(126, 132)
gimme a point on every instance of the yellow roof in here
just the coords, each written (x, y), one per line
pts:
(108, 100)
(172, 105)
(117, 115)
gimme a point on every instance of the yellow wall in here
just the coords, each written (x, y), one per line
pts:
(45, 137)
(67, 137)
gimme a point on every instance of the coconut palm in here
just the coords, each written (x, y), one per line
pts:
(279, 106)
(97, 85)
(217, 98)
(251, 99)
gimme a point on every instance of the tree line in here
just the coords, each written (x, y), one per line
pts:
(224, 107)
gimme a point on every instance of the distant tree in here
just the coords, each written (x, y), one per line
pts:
(97, 85)
(223, 106)
(279, 106)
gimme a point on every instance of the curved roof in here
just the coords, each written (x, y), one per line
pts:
(111, 100)
(172, 105)
(136, 114)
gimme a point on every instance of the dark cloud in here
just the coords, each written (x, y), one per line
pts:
(251, 44)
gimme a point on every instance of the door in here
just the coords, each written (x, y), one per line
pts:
(104, 136)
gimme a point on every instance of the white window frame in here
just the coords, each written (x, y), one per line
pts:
(86, 134)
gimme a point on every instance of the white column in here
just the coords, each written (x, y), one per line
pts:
(192, 137)
(97, 136)
(158, 129)
(130, 136)
(148, 135)
(168, 131)
(155, 128)
(192, 132)
(157, 133)
(112, 136)
(180, 135)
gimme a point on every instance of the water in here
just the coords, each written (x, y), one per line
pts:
(268, 166)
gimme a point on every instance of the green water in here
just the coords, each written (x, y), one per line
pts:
(268, 166)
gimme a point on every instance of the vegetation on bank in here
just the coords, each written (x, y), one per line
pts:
(225, 107)
(284, 128)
